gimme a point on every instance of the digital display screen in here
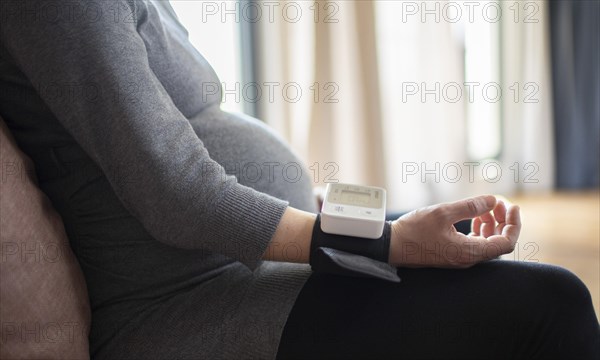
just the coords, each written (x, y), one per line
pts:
(355, 197)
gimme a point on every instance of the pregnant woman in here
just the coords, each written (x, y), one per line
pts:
(107, 98)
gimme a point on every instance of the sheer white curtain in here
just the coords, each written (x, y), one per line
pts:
(433, 100)
(328, 55)
(528, 104)
(425, 129)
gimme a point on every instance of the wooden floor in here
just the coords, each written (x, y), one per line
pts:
(563, 229)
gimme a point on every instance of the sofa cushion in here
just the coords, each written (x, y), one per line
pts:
(44, 306)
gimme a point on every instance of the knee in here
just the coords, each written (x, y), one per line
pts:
(572, 329)
(560, 287)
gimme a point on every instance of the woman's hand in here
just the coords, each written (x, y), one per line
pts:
(427, 237)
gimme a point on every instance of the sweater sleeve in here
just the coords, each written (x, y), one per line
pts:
(172, 186)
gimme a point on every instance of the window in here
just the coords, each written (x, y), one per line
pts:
(214, 30)
(482, 77)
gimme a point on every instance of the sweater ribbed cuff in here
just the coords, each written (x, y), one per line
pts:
(251, 218)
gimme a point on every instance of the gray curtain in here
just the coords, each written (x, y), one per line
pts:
(575, 33)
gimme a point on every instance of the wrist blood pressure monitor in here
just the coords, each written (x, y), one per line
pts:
(353, 210)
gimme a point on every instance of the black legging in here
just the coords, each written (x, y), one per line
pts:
(495, 310)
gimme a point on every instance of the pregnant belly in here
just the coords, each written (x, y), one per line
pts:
(251, 151)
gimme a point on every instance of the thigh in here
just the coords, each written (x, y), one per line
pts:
(498, 309)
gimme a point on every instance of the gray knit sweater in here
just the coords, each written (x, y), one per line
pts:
(120, 80)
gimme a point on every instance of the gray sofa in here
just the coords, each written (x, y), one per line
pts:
(44, 306)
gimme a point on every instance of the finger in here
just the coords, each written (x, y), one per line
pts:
(478, 248)
(468, 208)
(513, 215)
(503, 244)
(512, 229)
(500, 212)
(488, 218)
(476, 226)
(497, 245)
(488, 224)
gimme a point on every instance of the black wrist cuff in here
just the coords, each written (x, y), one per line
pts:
(352, 256)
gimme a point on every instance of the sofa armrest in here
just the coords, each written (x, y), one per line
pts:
(44, 306)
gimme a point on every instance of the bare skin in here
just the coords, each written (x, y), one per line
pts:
(422, 238)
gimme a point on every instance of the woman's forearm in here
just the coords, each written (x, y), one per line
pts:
(291, 241)
(431, 226)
